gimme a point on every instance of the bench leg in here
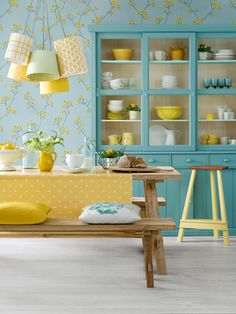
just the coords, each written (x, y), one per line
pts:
(159, 254)
(147, 240)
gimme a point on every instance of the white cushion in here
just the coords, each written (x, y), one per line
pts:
(110, 213)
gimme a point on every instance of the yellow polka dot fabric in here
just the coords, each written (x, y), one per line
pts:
(66, 193)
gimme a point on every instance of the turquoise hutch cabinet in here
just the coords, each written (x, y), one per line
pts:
(183, 78)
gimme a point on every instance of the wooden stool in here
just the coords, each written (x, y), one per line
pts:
(214, 224)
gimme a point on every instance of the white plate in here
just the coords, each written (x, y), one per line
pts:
(157, 135)
(74, 170)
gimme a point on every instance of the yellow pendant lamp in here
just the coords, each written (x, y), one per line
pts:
(52, 87)
(17, 72)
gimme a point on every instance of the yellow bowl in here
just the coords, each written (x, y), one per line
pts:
(169, 112)
(122, 54)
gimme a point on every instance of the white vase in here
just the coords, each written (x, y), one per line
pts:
(133, 115)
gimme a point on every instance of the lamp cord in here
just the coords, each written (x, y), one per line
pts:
(43, 23)
(28, 15)
(48, 26)
(59, 16)
(37, 8)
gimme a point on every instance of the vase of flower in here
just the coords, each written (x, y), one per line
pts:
(133, 111)
(46, 148)
(109, 158)
(46, 160)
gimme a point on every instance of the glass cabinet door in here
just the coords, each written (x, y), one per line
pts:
(170, 72)
(217, 90)
(119, 90)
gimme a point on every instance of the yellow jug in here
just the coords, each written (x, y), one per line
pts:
(46, 161)
(177, 53)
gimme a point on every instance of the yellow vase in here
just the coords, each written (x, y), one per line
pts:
(46, 161)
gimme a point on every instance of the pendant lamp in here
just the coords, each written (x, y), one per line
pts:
(43, 63)
(42, 66)
(19, 48)
(70, 56)
(17, 72)
(52, 87)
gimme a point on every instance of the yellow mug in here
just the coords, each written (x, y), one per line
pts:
(128, 138)
(114, 139)
(210, 116)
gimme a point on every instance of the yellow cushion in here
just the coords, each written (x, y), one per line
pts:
(17, 213)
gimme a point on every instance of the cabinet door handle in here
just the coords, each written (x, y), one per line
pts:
(226, 160)
(188, 160)
(151, 161)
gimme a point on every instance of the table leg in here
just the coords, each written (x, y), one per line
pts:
(147, 241)
(152, 208)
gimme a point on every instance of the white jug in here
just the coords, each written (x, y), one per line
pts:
(170, 138)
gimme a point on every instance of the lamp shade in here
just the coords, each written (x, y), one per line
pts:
(42, 66)
(70, 56)
(52, 87)
(19, 49)
(17, 72)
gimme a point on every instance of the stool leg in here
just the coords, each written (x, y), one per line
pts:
(214, 201)
(148, 259)
(187, 204)
(222, 207)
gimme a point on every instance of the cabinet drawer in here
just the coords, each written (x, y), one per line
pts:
(228, 160)
(189, 160)
(157, 160)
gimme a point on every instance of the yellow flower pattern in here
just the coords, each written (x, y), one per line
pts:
(70, 113)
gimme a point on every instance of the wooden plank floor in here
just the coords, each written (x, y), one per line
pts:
(106, 276)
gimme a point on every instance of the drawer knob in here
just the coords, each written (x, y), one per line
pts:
(226, 160)
(151, 161)
(188, 160)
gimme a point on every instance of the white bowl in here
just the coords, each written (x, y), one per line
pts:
(74, 161)
(116, 102)
(115, 107)
(7, 157)
(116, 81)
(116, 85)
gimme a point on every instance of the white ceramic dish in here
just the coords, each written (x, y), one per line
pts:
(157, 135)
(115, 108)
(8, 157)
(75, 170)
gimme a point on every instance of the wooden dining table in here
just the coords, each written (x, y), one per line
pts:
(68, 193)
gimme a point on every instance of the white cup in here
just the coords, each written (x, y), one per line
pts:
(226, 115)
(151, 55)
(233, 141)
(231, 115)
(160, 55)
(224, 140)
(220, 112)
(74, 160)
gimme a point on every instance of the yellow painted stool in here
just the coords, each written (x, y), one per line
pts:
(214, 224)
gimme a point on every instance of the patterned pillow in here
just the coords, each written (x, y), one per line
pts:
(110, 213)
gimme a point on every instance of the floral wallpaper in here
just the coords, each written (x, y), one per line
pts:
(70, 113)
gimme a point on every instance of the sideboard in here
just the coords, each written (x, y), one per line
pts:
(201, 134)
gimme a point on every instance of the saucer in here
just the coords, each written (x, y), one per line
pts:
(73, 170)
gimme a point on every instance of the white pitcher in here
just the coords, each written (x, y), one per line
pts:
(170, 138)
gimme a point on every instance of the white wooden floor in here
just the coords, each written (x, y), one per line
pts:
(106, 276)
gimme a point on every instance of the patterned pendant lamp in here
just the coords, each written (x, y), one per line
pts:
(70, 55)
(20, 45)
(43, 63)
(52, 87)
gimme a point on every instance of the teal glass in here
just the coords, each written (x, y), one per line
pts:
(221, 83)
(207, 83)
(228, 82)
(214, 82)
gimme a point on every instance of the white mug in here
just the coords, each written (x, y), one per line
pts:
(160, 55)
(226, 115)
(224, 140)
(74, 160)
(233, 141)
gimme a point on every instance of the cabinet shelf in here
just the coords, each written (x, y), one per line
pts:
(127, 120)
(217, 91)
(166, 91)
(164, 121)
(120, 61)
(169, 62)
(216, 61)
(216, 120)
(120, 92)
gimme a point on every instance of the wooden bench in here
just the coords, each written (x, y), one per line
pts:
(140, 201)
(147, 228)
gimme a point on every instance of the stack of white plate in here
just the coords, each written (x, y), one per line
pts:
(169, 81)
(224, 54)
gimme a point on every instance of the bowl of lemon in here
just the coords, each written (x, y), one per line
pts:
(9, 153)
